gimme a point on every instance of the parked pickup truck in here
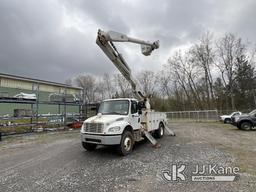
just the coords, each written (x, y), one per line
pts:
(245, 121)
(227, 118)
(120, 122)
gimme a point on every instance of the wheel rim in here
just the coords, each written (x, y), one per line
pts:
(127, 143)
(246, 127)
(161, 130)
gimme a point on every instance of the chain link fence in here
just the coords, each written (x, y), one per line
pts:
(203, 115)
(227, 112)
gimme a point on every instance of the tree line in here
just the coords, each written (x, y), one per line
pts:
(210, 74)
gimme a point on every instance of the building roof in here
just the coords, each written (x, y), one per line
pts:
(32, 80)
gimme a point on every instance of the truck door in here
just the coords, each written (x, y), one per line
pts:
(134, 117)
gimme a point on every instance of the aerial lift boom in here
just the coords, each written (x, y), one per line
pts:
(105, 41)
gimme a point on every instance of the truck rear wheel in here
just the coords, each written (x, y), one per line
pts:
(89, 146)
(126, 144)
(246, 126)
(160, 131)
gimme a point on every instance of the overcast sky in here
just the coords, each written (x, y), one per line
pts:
(55, 39)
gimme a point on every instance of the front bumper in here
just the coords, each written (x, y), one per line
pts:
(101, 139)
(234, 123)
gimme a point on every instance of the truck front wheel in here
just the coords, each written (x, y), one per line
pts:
(246, 126)
(126, 144)
(89, 146)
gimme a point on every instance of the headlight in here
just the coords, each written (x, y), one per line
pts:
(114, 129)
(83, 127)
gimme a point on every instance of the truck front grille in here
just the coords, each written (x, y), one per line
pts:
(94, 127)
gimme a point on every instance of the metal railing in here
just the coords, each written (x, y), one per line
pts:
(20, 125)
(203, 115)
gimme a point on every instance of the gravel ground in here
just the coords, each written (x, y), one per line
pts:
(57, 162)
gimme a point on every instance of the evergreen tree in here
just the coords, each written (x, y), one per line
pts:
(244, 84)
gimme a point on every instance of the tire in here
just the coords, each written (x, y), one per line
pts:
(160, 131)
(227, 121)
(89, 146)
(246, 126)
(126, 144)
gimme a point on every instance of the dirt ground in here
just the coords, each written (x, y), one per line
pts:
(57, 161)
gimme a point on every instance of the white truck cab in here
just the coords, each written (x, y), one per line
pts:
(121, 122)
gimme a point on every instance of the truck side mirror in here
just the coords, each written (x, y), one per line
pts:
(139, 107)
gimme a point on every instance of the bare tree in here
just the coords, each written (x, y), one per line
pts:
(123, 88)
(104, 87)
(164, 82)
(185, 73)
(147, 81)
(202, 54)
(108, 85)
(229, 49)
(88, 83)
(100, 92)
(190, 79)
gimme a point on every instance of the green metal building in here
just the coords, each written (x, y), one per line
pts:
(10, 85)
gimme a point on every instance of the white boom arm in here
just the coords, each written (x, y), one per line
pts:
(105, 41)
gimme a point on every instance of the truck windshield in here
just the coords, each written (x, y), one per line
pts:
(115, 107)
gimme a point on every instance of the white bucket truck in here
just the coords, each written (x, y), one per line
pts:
(123, 121)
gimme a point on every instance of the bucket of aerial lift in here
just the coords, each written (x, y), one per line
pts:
(147, 49)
